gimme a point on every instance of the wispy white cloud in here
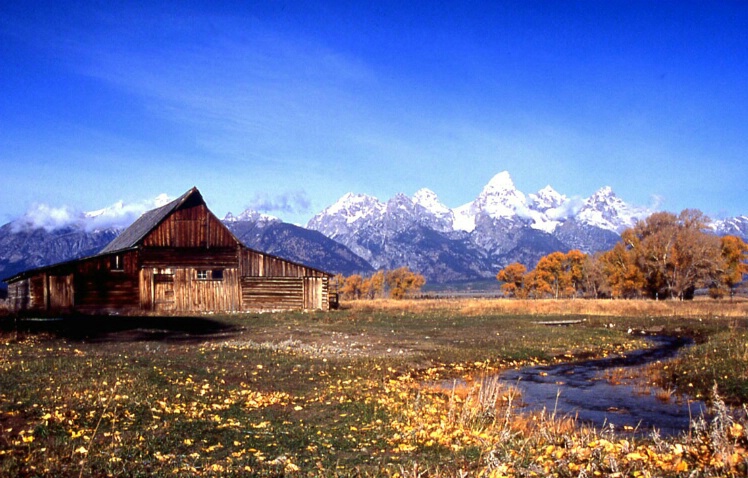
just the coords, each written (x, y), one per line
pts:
(293, 202)
(44, 216)
(565, 210)
(118, 216)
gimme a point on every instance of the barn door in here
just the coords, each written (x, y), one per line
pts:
(60, 293)
(163, 292)
(314, 293)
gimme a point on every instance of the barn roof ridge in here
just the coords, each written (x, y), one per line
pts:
(131, 236)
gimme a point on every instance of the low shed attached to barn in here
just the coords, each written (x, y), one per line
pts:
(179, 258)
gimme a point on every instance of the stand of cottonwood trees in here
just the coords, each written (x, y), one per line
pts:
(396, 284)
(663, 256)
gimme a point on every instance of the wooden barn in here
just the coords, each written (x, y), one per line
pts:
(179, 258)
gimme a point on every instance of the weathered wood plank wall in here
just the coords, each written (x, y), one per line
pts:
(180, 290)
(272, 293)
(61, 294)
(257, 264)
(102, 286)
(203, 295)
(284, 293)
(316, 293)
(20, 296)
(190, 227)
(194, 257)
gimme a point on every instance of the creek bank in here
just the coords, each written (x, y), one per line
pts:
(627, 403)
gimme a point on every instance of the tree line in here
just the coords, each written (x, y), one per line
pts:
(396, 284)
(663, 256)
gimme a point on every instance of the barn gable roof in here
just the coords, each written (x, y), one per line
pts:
(131, 236)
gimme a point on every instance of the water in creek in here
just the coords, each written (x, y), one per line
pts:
(584, 390)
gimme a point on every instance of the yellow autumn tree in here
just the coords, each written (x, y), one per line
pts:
(352, 287)
(574, 265)
(373, 287)
(562, 274)
(625, 278)
(513, 277)
(734, 265)
(596, 282)
(675, 254)
(403, 281)
(536, 285)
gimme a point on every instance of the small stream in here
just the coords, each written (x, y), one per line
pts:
(583, 390)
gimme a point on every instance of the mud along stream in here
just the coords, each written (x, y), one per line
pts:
(585, 390)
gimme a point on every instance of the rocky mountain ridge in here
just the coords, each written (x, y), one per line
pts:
(501, 225)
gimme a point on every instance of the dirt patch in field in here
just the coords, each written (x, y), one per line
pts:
(323, 344)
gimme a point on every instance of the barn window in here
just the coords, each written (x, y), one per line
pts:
(202, 275)
(117, 264)
(217, 274)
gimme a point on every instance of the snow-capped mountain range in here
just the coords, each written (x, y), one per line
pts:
(501, 225)
(360, 233)
(545, 210)
(734, 226)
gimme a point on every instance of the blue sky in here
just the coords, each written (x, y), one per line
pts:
(286, 106)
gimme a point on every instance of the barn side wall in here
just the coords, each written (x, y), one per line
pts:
(272, 293)
(20, 296)
(271, 283)
(316, 293)
(107, 284)
(257, 264)
(190, 289)
(99, 284)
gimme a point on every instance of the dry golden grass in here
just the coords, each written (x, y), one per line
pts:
(705, 308)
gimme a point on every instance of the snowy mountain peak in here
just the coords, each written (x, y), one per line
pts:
(120, 209)
(433, 213)
(351, 202)
(499, 183)
(346, 214)
(428, 199)
(607, 211)
(250, 215)
(112, 210)
(499, 215)
(547, 198)
(603, 194)
(735, 226)
(120, 214)
(500, 198)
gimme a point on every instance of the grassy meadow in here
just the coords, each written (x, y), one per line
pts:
(350, 392)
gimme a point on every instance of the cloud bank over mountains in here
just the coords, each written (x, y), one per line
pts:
(117, 216)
